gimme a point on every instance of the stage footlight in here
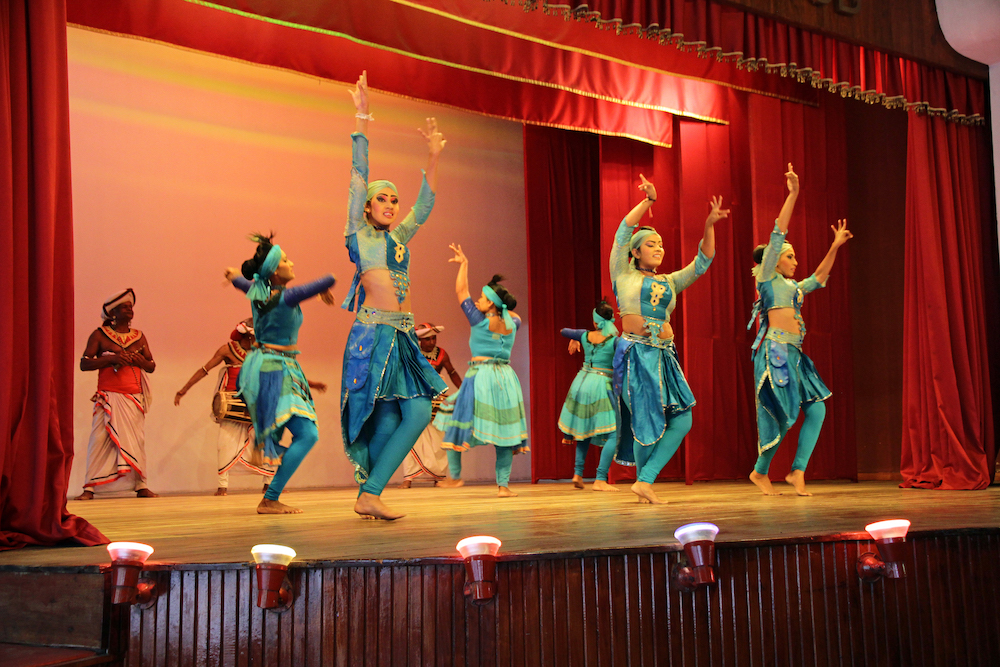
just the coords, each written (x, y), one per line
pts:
(273, 589)
(127, 562)
(480, 554)
(698, 540)
(890, 538)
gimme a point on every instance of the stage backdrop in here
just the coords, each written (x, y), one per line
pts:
(177, 155)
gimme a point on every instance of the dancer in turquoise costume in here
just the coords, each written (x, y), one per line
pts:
(489, 406)
(589, 415)
(785, 379)
(387, 384)
(656, 400)
(271, 381)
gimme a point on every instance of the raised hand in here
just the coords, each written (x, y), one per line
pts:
(360, 93)
(841, 234)
(231, 273)
(717, 213)
(792, 180)
(459, 257)
(435, 140)
(647, 188)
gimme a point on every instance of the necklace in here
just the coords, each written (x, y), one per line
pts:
(651, 272)
(430, 356)
(122, 340)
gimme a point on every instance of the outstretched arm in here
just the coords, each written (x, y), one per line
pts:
(435, 144)
(217, 358)
(462, 279)
(717, 213)
(360, 97)
(792, 182)
(841, 234)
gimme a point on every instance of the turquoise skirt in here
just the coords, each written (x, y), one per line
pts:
(382, 362)
(275, 390)
(488, 409)
(784, 378)
(590, 406)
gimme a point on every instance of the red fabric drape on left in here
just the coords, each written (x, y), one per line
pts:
(36, 308)
(948, 440)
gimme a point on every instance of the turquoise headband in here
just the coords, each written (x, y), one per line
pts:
(639, 237)
(375, 186)
(606, 327)
(490, 294)
(261, 288)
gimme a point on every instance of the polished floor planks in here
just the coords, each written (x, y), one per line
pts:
(544, 518)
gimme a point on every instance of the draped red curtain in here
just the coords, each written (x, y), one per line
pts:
(743, 162)
(36, 308)
(948, 439)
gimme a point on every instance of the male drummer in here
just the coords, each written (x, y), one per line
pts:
(235, 432)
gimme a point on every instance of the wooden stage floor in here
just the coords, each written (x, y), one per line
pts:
(544, 518)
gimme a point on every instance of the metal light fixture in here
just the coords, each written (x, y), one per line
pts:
(698, 540)
(273, 589)
(480, 554)
(127, 562)
(889, 536)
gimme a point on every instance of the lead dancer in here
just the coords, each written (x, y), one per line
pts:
(785, 378)
(271, 380)
(656, 399)
(387, 384)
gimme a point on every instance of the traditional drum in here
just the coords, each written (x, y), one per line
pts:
(227, 405)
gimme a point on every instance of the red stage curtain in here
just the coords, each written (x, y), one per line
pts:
(562, 193)
(731, 33)
(36, 308)
(948, 440)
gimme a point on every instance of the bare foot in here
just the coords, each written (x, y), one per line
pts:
(145, 493)
(645, 492)
(577, 482)
(370, 506)
(264, 490)
(797, 478)
(406, 484)
(763, 483)
(86, 495)
(221, 491)
(601, 485)
(274, 507)
(504, 492)
(450, 483)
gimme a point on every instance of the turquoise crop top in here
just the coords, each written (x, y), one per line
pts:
(370, 248)
(653, 297)
(277, 320)
(482, 341)
(598, 356)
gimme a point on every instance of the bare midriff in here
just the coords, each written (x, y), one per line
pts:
(783, 318)
(282, 348)
(380, 293)
(636, 325)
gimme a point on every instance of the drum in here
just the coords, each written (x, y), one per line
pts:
(227, 405)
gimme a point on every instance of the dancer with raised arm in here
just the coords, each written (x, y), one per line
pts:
(589, 415)
(387, 384)
(785, 379)
(271, 381)
(656, 399)
(489, 407)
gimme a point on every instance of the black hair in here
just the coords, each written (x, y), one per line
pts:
(264, 245)
(758, 254)
(605, 310)
(502, 292)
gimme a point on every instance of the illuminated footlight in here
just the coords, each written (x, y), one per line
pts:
(890, 538)
(273, 589)
(480, 554)
(127, 562)
(698, 540)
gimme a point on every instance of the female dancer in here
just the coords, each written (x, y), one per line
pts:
(271, 381)
(387, 384)
(785, 378)
(489, 406)
(590, 413)
(656, 398)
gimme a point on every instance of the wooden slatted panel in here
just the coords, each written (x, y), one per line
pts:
(788, 604)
